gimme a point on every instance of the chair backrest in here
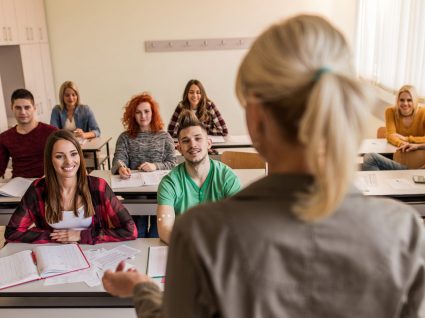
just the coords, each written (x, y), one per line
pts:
(413, 159)
(243, 160)
(381, 132)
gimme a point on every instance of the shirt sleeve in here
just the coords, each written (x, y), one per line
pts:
(115, 223)
(173, 126)
(147, 299)
(27, 224)
(121, 153)
(218, 125)
(55, 119)
(232, 184)
(4, 157)
(166, 194)
(169, 160)
(92, 123)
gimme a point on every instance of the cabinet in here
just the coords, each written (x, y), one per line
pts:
(31, 21)
(8, 23)
(25, 60)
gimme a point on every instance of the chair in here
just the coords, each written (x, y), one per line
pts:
(381, 132)
(243, 160)
(413, 160)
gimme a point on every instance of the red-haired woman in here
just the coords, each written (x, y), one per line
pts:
(145, 146)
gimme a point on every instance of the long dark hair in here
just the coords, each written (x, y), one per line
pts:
(54, 207)
(201, 111)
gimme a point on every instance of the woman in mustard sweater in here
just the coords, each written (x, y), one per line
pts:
(405, 121)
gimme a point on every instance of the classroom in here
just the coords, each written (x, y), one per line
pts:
(115, 51)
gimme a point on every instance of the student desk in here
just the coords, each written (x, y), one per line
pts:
(94, 146)
(236, 141)
(74, 295)
(396, 184)
(138, 201)
(377, 145)
(142, 200)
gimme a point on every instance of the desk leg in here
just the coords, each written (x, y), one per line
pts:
(107, 154)
(96, 163)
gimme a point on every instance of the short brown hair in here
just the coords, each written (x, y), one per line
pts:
(189, 119)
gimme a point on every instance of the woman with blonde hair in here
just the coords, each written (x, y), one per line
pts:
(301, 242)
(67, 205)
(71, 115)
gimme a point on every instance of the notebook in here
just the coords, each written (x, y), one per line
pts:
(157, 261)
(40, 263)
(138, 179)
(16, 187)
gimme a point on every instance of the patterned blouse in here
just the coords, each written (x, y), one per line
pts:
(216, 125)
(110, 223)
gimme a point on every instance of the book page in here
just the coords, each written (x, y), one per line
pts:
(157, 261)
(53, 260)
(134, 181)
(16, 187)
(17, 268)
(154, 177)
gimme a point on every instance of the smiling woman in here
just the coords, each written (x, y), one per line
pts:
(67, 206)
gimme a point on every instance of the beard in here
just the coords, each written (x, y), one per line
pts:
(195, 163)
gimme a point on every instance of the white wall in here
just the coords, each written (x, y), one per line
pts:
(99, 44)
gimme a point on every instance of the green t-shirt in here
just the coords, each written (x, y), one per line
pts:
(177, 189)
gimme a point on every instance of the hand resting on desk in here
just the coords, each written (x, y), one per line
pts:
(120, 283)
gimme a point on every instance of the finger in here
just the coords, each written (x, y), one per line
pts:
(120, 266)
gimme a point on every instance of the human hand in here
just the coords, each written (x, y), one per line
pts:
(124, 172)
(147, 166)
(406, 147)
(66, 236)
(120, 283)
(79, 133)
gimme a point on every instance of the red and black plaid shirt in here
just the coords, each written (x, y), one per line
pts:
(216, 125)
(110, 223)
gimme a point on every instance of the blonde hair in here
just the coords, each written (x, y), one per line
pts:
(64, 86)
(410, 89)
(301, 71)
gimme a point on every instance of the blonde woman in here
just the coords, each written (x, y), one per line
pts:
(300, 242)
(72, 115)
(405, 122)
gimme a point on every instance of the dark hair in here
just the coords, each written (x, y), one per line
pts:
(22, 93)
(201, 111)
(189, 119)
(53, 199)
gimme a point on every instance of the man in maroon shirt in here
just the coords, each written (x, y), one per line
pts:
(25, 142)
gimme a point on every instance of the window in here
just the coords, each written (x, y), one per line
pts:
(390, 48)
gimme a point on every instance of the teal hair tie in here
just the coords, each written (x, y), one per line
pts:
(320, 72)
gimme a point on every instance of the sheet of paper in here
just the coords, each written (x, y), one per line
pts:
(16, 187)
(154, 177)
(134, 181)
(157, 261)
(138, 179)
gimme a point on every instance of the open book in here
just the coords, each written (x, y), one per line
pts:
(42, 262)
(16, 187)
(138, 179)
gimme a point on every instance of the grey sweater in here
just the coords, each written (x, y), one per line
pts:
(154, 147)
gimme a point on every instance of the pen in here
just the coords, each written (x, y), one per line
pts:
(122, 164)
